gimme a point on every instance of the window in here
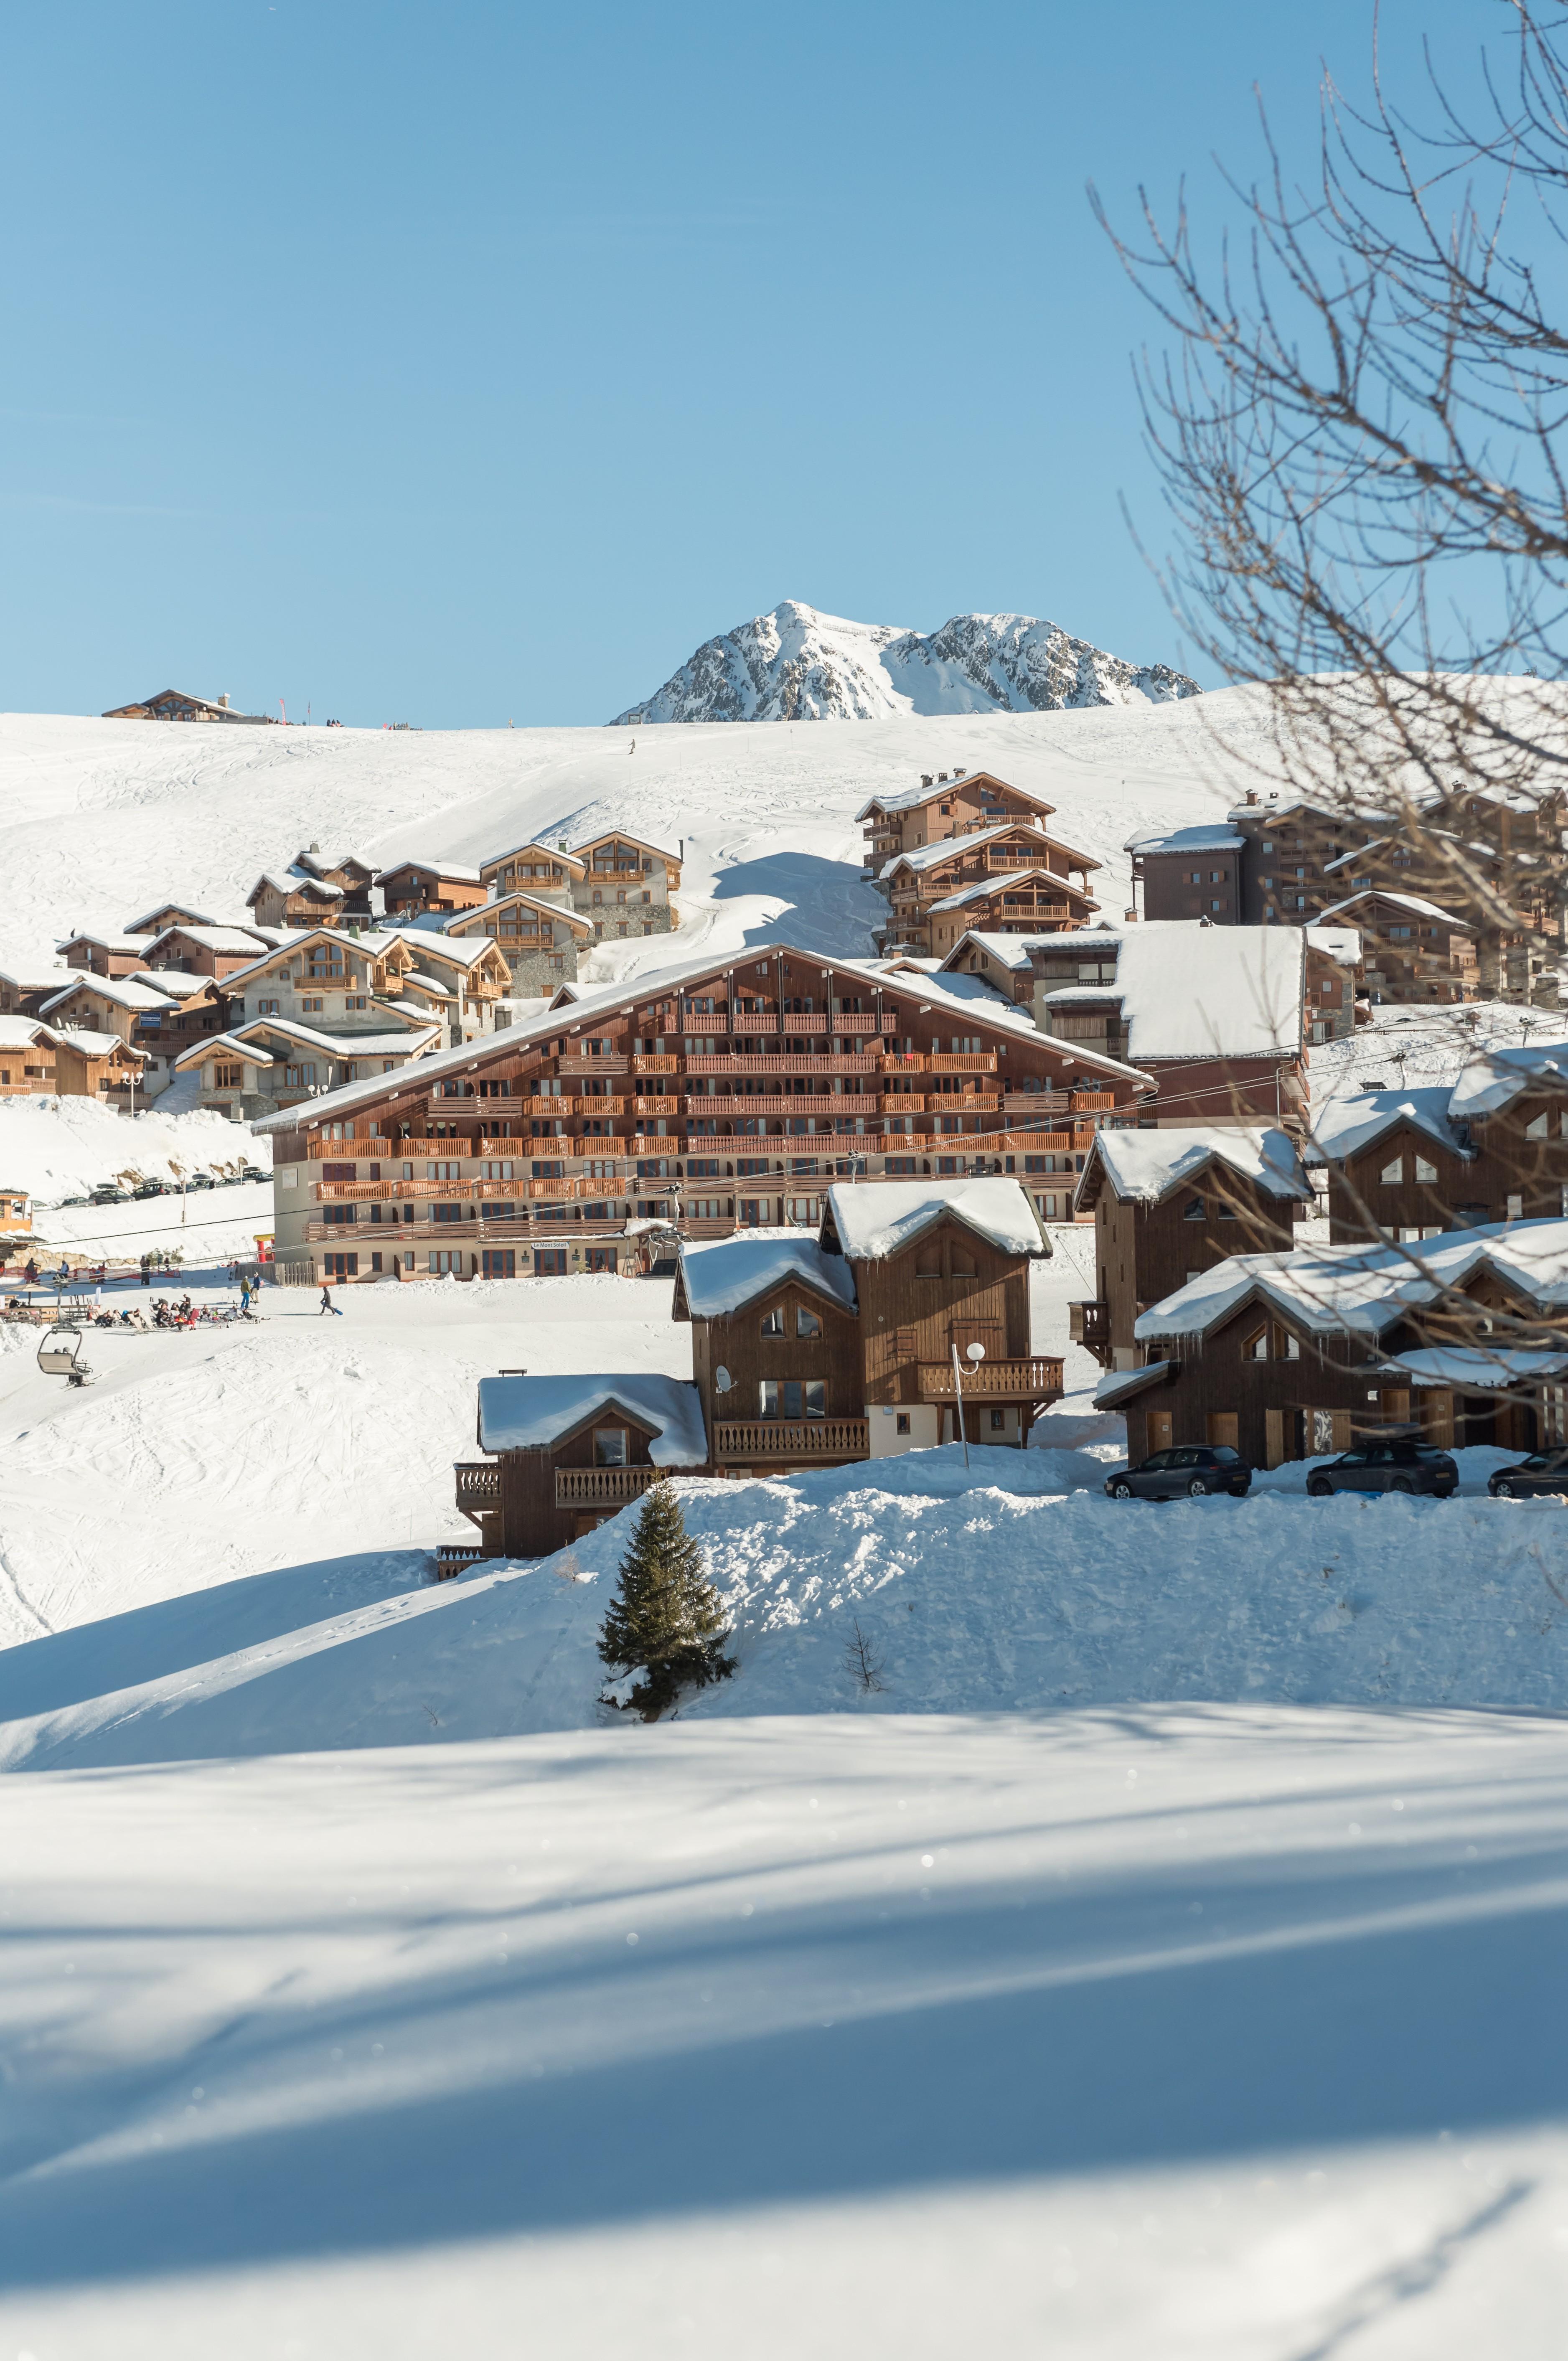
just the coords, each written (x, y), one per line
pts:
(228, 1078)
(901, 1421)
(549, 1262)
(998, 1422)
(449, 1170)
(497, 1262)
(1194, 1210)
(498, 1170)
(300, 1078)
(340, 1266)
(601, 1258)
(1255, 1346)
(1425, 1171)
(1392, 1174)
(928, 1263)
(791, 1397)
(503, 1211)
(709, 1209)
(1536, 1130)
(1514, 1209)
(338, 1217)
(773, 1322)
(445, 1260)
(311, 1007)
(609, 1447)
(806, 1324)
(266, 1008)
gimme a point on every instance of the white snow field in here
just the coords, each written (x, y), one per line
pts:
(1163, 1963)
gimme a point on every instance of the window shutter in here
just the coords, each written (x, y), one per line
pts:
(904, 1344)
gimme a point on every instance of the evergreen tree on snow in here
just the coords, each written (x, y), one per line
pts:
(666, 1620)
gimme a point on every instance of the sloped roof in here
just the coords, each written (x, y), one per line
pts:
(233, 1045)
(1118, 1385)
(1204, 992)
(1413, 903)
(211, 937)
(882, 1217)
(1493, 1079)
(1145, 1166)
(124, 990)
(291, 883)
(1343, 1127)
(345, 1046)
(25, 1033)
(1218, 836)
(999, 881)
(534, 844)
(1341, 944)
(133, 945)
(160, 913)
(1491, 1369)
(462, 923)
(96, 1045)
(719, 1275)
(899, 799)
(622, 835)
(530, 1413)
(947, 848)
(457, 871)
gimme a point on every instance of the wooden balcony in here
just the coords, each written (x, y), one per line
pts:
(1089, 1324)
(962, 1062)
(1037, 1103)
(901, 1061)
(1094, 1101)
(612, 1061)
(1038, 1143)
(814, 1020)
(1035, 1379)
(478, 1487)
(803, 1062)
(963, 1103)
(779, 1438)
(607, 1488)
(657, 1106)
(804, 1102)
(660, 1063)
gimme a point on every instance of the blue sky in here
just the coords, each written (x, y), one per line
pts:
(465, 362)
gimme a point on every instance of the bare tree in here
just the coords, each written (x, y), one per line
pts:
(863, 1660)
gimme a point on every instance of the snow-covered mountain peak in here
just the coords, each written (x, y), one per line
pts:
(798, 665)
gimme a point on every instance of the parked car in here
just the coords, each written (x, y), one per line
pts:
(149, 1188)
(1543, 1471)
(1193, 1469)
(254, 1172)
(72, 1201)
(199, 1180)
(109, 1193)
(1394, 1464)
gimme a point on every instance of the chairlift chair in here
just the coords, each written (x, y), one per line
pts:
(58, 1356)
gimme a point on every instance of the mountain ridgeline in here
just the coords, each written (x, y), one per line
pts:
(795, 664)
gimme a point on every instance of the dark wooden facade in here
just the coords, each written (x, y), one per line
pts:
(1407, 1183)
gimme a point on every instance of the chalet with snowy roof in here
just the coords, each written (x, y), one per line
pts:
(165, 915)
(540, 942)
(546, 872)
(1398, 1166)
(294, 902)
(27, 1058)
(1190, 873)
(945, 871)
(99, 1066)
(1293, 1356)
(462, 981)
(1334, 983)
(190, 950)
(943, 804)
(815, 1351)
(16, 1213)
(727, 1091)
(1216, 1016)
(179, 705)
(24, 990)
(1000, 960)
(415, 887)
(103, 954)
(564, 1453)
(1411, 951)
(233, 1076)
(1166, 1204)
(627, 887)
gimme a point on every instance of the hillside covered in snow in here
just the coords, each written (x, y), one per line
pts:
(795, 664)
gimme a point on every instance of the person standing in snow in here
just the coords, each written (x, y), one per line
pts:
(147, 1270)
(326, 1303)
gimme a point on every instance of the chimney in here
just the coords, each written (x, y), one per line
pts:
(925, 779)
(224, 698)
(314, 846)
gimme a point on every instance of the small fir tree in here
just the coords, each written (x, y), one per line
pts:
(666, 1620)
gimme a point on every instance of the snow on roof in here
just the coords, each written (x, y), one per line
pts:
(233, 1044)
(1343, 1127)
(346, 1045)
(1364, 1290)
(23, 1032)
(899, 799)
(96, 1045)
(1145, 1166)
(1011, 952)
(1411, 902)
(210, 936)
(530, 1413)
(293, 882)
(1207, 991)
(930, 856)
(417, 982)
(1117, 1385)
(174, 984)
(1217, 838)
(317, 864)
(585, 1001)
(880, 1218)
(532, 844)
(463, 922)
(1477, 1368)
(1493, 1079)
(722, 1274)
(124, 990)
(1348, 860)
(133, 946)
(999, 883)
(959, 984)
(166, 914)
(1341, 944)
(458, 871)
(435, 943)
(623, 836)
(374, 942)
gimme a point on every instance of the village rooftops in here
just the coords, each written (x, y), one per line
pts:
(168, 914)
(1493, 1079)
(373, 943)
(130, 946)
(932, 790)
(1342, 1127)
(179, 705)
(960, 847)
(525, 1414)
(210, 936)
(312, 862)
(1143, 1167)
(290, 882)
(1412, 903)
(125, 991)
(436, 942)
(579, 1006)
(23, 1032)
(1360, 1290)
(621, 836)
(1217, 837)
(1341, 944)
(1011, 952)
(1191, 991)
(456, 873)
(721, 1275)
(869, 1223)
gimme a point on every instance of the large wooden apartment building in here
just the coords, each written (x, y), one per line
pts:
(723, 1093)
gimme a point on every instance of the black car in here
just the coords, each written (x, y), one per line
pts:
(254, 1172)
(1397, 1464)
(201, 1180)
(109, 1193)
(1543, 1471)
(1194, 1469)
(149, 1188)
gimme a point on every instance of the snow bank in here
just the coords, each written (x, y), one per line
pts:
(57, 1148)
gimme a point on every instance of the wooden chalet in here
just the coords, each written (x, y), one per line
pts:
(1295, 1356)
(235, 1076)
(943, 805)
(179, 705)
(352, 876)
(16, 1213)
(1000, 960)
(627, 887)
(815, 1351)
(190, 950)
(23, 991)
(294, 900)
(545, 872)
(540, 942)
(564, 1453)
(1167, 1205)
(104, 954)
(725, 1092)
(945, 873)
(1334, 983)
(98, 1066)
(1411, 951)
(459, 979)
(27, 1058)
(165, 915)
(413, 887)
(116, 1005)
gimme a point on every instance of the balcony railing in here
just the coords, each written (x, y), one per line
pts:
(1089, 1324)
(601, 1487)
(799, 1021)
(804, 1061)
(576, 1061)
(801, 1102)
(963, 1062)
(1038, 1143)
(1094, 1101)
(817, 1438)
(1035, 1379)
(662, 1062)
(478, 1484)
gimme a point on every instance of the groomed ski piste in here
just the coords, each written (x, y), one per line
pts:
(1161, 1957)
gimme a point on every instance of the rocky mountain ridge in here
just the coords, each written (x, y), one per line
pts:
(796, 665)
